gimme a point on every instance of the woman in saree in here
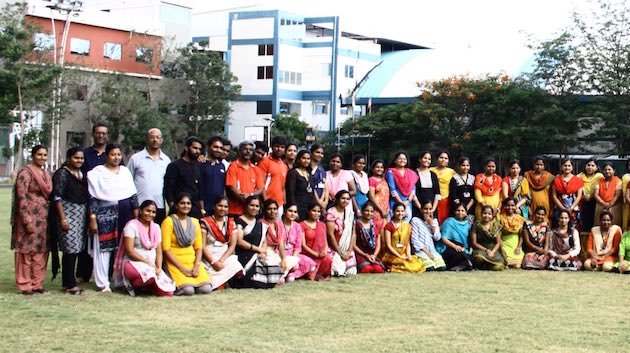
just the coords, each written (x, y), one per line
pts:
(182, 245)
(608, 195)
(341, 235)
(293, 237)
(485, 238)
(512, 234)
(488, 188)
(138, 262)
(299, 186)
(462, 189)
(220, 234)
(539, 183)
(536, 241)
(427, 186)
(603, 244)
(361, 183)
(516, 186)
(379, 195)
(444, 175)
(338, 179)
(564, 249)
(454, 246)
(590, 177)
(113, 203)
(28, 223)
(276, 239)
(397, 255)
(425, 232)
(368, 244)
(402, 183)
(566, 194)
(624, 253)
(315, 244)
(70, 200)
(261, 270)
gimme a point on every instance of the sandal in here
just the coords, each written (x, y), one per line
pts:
(74, 291)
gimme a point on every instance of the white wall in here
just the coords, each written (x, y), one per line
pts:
(252, 28)
(244, 115)
(244, 63)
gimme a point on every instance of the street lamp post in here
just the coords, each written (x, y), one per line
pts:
(271, 122)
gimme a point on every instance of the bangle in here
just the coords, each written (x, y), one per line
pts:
(212, 262)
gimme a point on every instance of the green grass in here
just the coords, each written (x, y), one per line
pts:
(512, 311)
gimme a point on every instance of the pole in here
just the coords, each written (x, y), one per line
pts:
(54, 97)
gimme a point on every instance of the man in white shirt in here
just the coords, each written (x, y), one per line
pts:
(148, 168)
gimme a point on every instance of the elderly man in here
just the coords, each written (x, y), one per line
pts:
(148, 168)
(243, 179)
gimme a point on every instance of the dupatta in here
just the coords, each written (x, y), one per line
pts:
(222, 234)
(405, 184)
(539, 182)
(570, 188)
(603, 243)
(488, 185)
(186, 237)
(608, 192)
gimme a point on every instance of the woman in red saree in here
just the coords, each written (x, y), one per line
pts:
(566, 194)
(315, 244)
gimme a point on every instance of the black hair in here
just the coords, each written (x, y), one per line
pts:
(193, 139)
(147, 203)
(279, 140)
(315, 147)
(214, 139)
(357, 158)
(37, 148)
(72, 151)
(97, 125)
(111, 146)
(366, 204)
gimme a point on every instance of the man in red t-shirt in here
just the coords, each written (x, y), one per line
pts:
(243, 179)
(274, 170)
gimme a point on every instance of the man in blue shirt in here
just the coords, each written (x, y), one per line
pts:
(95, 154)
(213, 173)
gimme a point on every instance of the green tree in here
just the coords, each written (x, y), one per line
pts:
(211, 88)
(291, 127)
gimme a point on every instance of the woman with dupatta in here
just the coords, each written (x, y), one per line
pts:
(608, 195)
(261, 270)
(338, 179)
(276, 239)
(536, 241)
(512, 234)
(516, 186)
(444, 175)
(590, 177)
(424, 233)
(397, 255)
(462, 189)
(220, 235)
(566, 193)
(182, 245)
(565, 246)
(402, 183)
(29, 221)
(488, 188)
(539, 182)
(454, 246)
(315, 244)
(361, 183)
(293, 237)
(139, 257)
(368, 244)
(379, 195)
(341, 235)
(485, 239)
(603, 244)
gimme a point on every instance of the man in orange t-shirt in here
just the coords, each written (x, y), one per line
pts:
(275, 171)
(243, 179)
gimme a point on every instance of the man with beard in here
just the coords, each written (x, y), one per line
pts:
(275, 171)
(260, 151)
(213, 173)
(148, 168)
(184, 175)
(243, 179)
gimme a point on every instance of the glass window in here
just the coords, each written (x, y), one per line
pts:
(321, 108)
(112, 51)
(44, 41)
(263, 107)
(265, 49)
(79, 46)
(269, 72)
(298, 81)
(349, 71)
(144, 55)
(326, 69)
(174, 14)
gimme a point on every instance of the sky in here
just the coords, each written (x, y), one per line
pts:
(438, 24)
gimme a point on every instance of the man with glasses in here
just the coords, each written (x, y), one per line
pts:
(213, 173)
(243, 179)
(148, 168)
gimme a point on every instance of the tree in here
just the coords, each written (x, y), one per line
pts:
(291, 127)
(211, 88)
(25, 86)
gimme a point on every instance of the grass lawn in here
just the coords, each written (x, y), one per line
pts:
(511, 311)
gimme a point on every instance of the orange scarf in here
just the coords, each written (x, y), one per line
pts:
(488, 185)
(608, 192)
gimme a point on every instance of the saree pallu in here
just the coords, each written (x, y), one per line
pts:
(539, 189)
(607, 193)
(567, 193)
(537, 236)
(343, 234)
(259, 273)
(317, 241)
(519, 189)
(512, 227)
(487, 239)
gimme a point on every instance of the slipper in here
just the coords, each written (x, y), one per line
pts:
(75, 291)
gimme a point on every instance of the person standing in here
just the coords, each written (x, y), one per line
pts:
(184, 175)
(243, 179)
(275, 170)
(225, 152)
(148, 168)
(28, 222)
(213, 174)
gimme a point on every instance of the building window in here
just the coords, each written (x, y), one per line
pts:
(265, 49)
(80, 46)
(82, 91)
(112, 51)
(349, 71)
(263, 107)
(44, 41)
(327, 70)
(265, 72)
(321, 108)
(144, 55)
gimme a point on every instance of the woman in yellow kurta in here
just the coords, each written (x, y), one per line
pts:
(512, 238)
(488, 188)
(590, 176)
(539, 184)
(444, 175)
(397, 251)
(182, 245)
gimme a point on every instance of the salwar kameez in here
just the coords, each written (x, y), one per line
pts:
(511, 234)
(602, 243)
(423, 237)
(316, 240)
(487, 191)
(565, 244)
(184, 253)
(401, 242)
(487, 237)
(537, 234)
(539, 187)
(456, 231)
(217, 243)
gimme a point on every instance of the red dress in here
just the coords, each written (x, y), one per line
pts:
(316, 239)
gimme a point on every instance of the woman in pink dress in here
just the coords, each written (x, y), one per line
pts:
(315, 244)
(293, 238)
(379, 195)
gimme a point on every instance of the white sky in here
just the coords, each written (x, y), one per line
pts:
(437, 23)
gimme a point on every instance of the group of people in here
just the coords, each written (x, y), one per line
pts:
(203, 222)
